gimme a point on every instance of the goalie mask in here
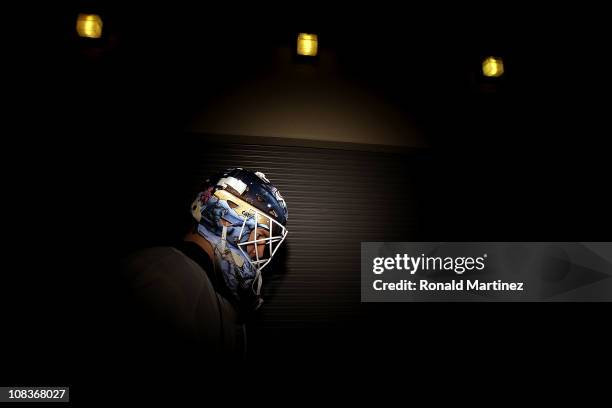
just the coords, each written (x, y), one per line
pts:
(243, 216)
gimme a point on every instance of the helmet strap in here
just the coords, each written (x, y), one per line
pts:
(223, 238)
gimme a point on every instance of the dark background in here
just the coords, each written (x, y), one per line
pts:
(109, 147)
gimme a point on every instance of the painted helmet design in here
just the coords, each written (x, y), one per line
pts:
(247, 212)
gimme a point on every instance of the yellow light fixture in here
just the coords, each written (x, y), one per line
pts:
(493, 67)
(307, 44)
(89, 25)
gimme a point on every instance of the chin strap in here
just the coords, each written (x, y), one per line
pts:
(223, 238)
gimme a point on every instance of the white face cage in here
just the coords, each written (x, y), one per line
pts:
(273, 242)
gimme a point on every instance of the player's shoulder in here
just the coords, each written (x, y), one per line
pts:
(148, 256)
(161, 260)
